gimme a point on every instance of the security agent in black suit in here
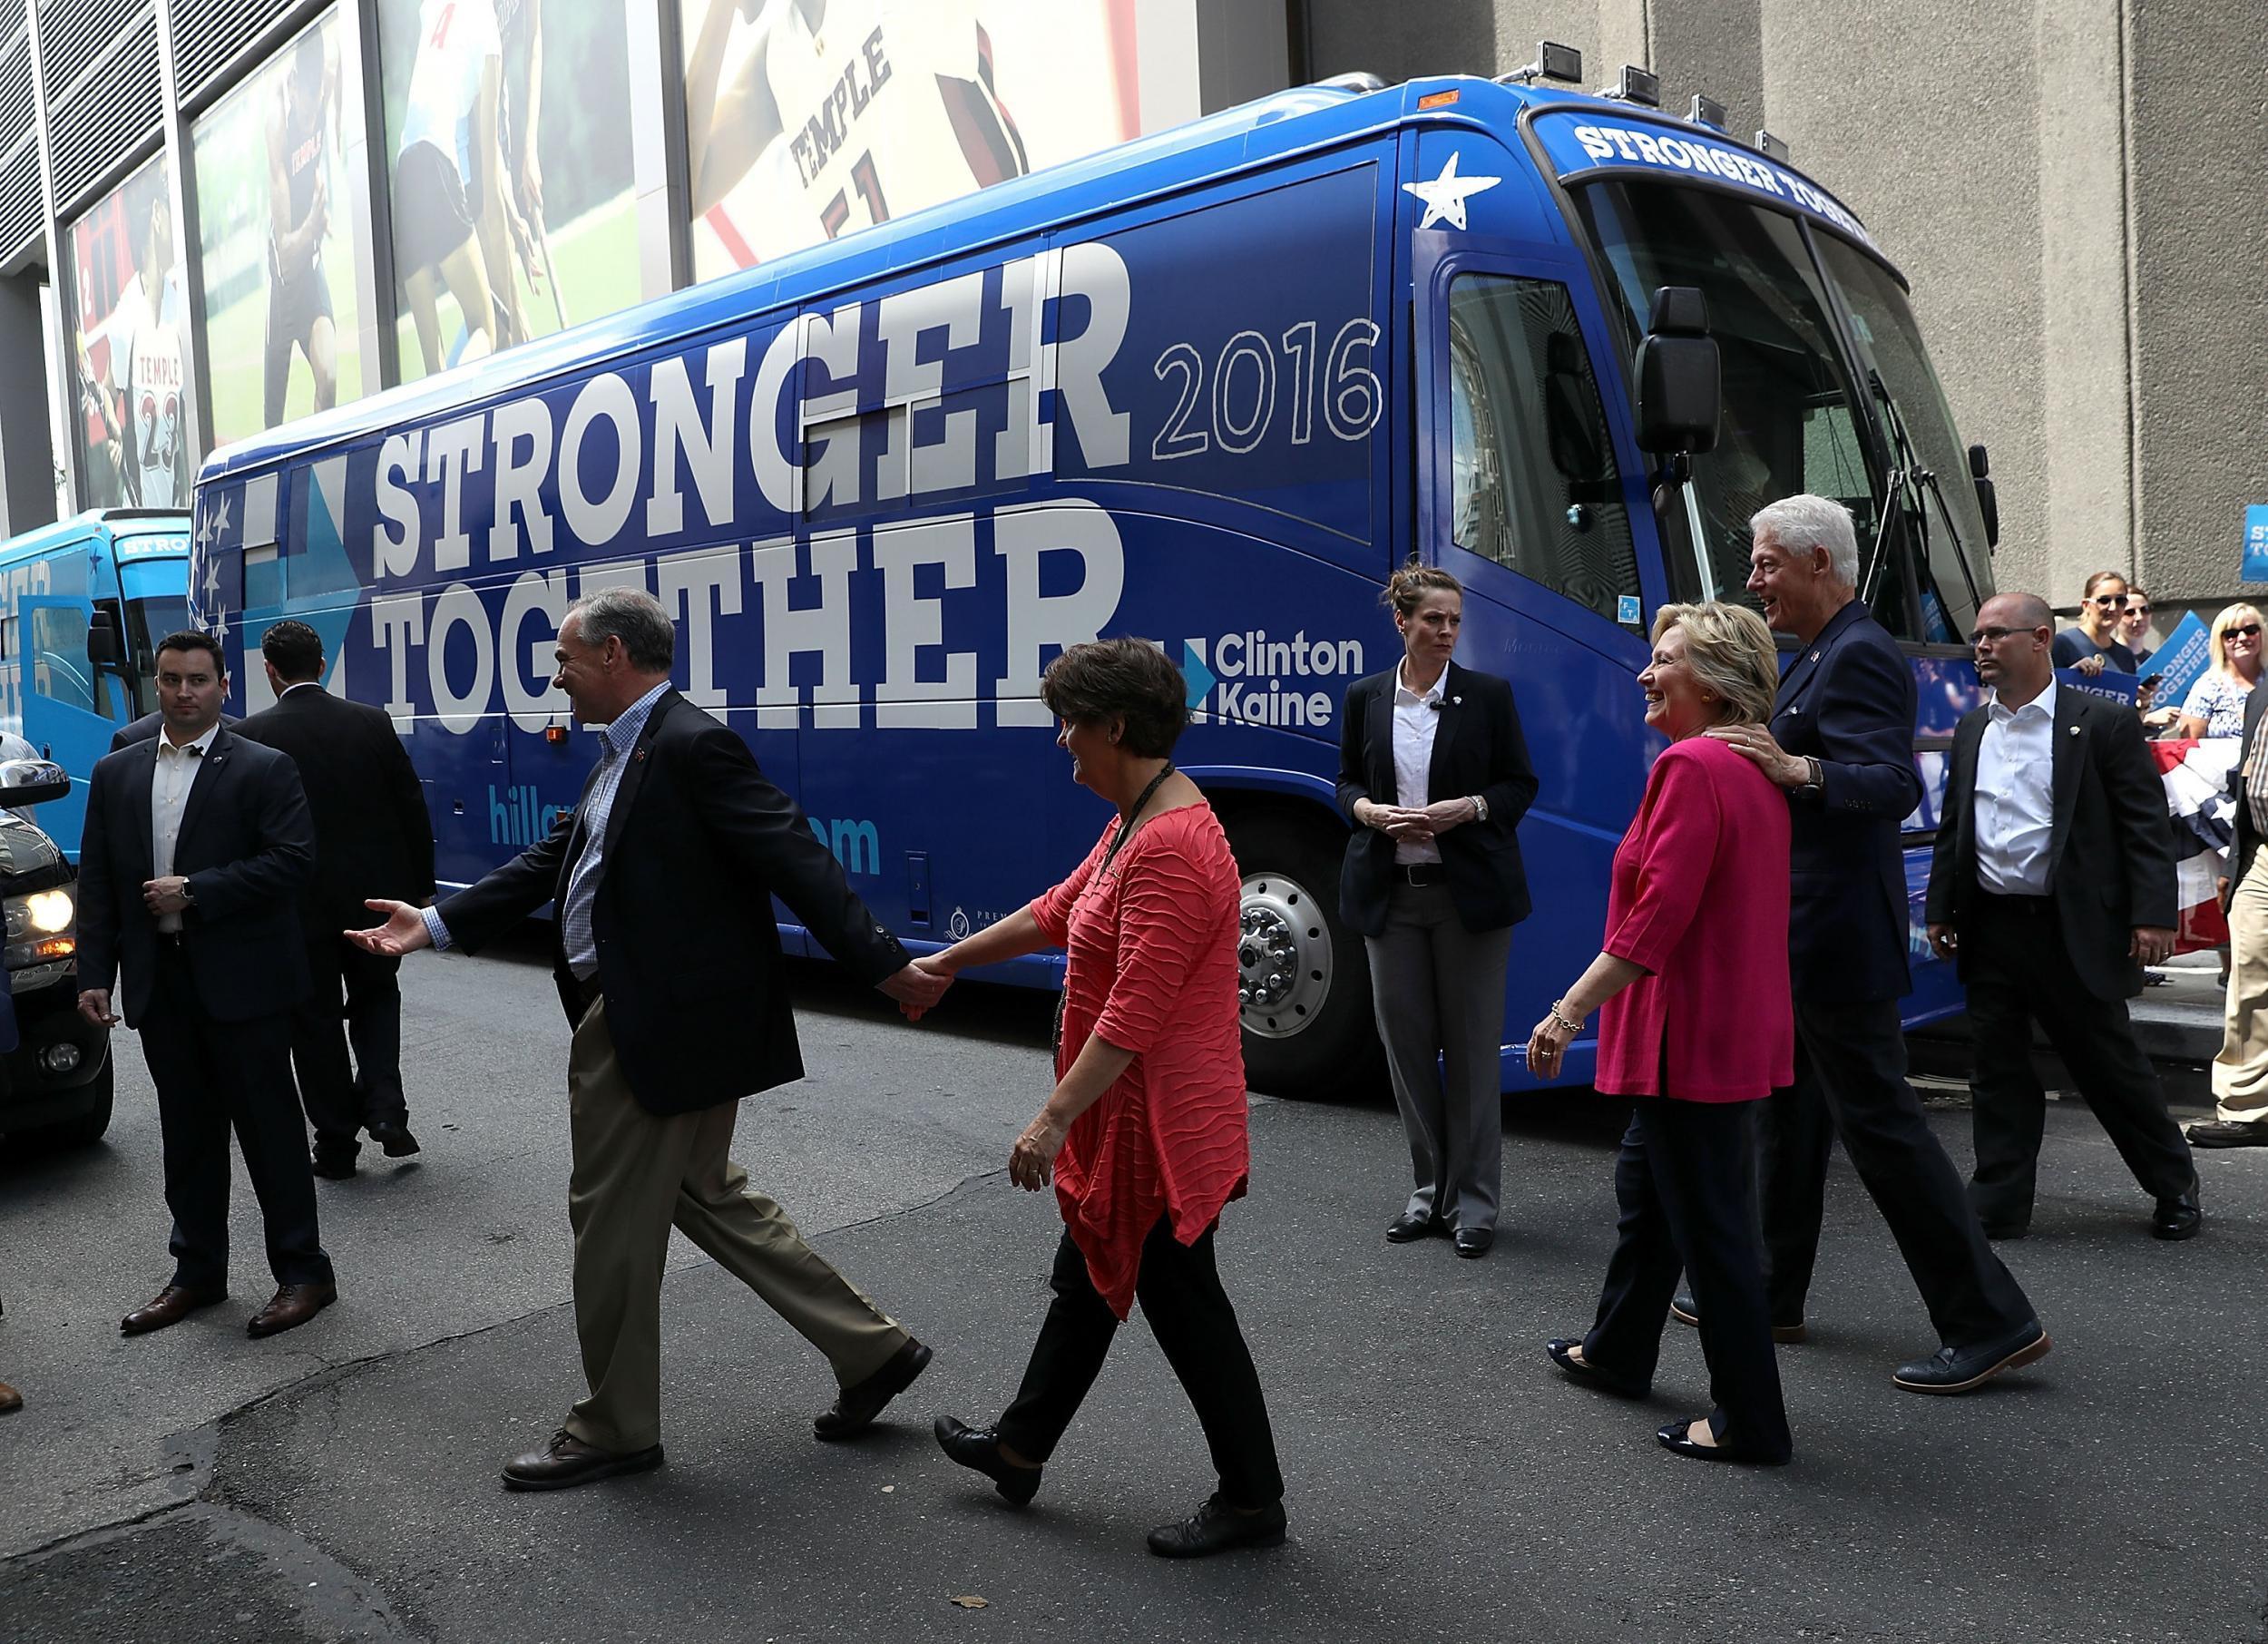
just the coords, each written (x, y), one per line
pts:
(1840, 742)
(196, 846)
(668, 961)
(2053, 886)
(149, 725)
(373, 838)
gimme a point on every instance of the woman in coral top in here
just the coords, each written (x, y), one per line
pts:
(1695, 1026)
(1145, 1135)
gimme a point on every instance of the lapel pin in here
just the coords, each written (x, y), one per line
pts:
(1815, 656)
(2072, 730)
(639, 758)
(1459, 700)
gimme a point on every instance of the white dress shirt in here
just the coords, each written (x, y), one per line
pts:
(1417, 715)
(169, 797)
(2015, 803)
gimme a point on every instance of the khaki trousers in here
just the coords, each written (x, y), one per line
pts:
(2240, 1072)
(637, 1173)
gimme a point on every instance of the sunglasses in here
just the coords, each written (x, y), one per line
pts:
(2249, 630)
(2138, 611)
(1993, 636)
(2109, 599)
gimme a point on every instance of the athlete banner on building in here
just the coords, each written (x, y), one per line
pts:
(509, 156)
(278, 244)
(128, 308)
(807, 120)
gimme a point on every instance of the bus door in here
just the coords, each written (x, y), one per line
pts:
(71, 708)
(1530, 492)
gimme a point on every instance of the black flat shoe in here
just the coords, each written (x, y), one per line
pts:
(332, 1166)
(1958, 1369)
(1411, 1226)
(1688, 1312)
(1217, 1527)
(2178, 1216)
(1673, 1438)
(2228, 1134)
(1563, 1352)
(854, 1408)
(1472, 1243)
(567, 1461)
(978, 1448)
(396, 1139)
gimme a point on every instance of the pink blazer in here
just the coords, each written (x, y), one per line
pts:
(1700, 900)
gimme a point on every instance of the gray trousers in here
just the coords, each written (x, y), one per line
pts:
(1440, 993)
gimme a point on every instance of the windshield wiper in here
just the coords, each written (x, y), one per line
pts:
(1910, 481)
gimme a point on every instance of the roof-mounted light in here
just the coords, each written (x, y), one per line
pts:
(1707, 110)
(1641, 86)
(1770, 147)
(1553, 62)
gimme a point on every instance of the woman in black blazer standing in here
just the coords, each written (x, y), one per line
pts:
(1433, 773)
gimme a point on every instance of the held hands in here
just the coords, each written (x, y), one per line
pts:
(1757, 745)
(1410, 825)
(2152, 944)
(94, 1005)
(1944, 941)
(917, 985)
(164, 896)
(403, 932)
(1031, 1161)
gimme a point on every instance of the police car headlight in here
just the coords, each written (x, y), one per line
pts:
(49, 911)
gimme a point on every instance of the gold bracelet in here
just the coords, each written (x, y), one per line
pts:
(1552, 1011)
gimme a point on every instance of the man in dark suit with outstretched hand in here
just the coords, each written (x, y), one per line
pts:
(2053, 884)
(668, 961)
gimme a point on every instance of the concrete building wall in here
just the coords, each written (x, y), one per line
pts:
(2076, 188)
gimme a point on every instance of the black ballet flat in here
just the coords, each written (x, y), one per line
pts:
(1674, 1440)
(1563, 1352)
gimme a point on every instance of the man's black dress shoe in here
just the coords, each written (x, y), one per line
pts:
(396, 1139)
(1674, 1438)
(979, 1448)
(567, 1461)
(1473, 1242)
(1411, 1226)
(2229, 1134)
(1958, 1369)
(1688, 1312)
(1217, 1527)
(332, 1166)
(2178, 1216)
(1563, 1352)
(169, 1307)
(854, 1408)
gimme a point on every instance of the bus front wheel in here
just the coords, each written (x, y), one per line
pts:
(1302, 977)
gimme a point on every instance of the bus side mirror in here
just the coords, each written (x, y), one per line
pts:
(31, 782)
(1679, 390)
(101, 640)
(1988, 500)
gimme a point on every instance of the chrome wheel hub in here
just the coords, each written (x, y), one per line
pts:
(1283, 956)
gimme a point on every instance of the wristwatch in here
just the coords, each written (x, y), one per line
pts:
(1817, 782)
(1480, 807)
(189, 893)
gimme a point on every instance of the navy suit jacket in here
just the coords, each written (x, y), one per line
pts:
(247, 848)
(1847, 700)
(2110, 851)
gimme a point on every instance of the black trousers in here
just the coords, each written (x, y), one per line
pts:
(212, 1077)
(2020, 972)
(341, 1098)
(1180, 1292)
(1851, 1082)
(1686, 1181)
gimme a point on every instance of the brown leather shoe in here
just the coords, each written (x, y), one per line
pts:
(170, 1306)
(10, 1399)
(567, 1461)
(291, 1307)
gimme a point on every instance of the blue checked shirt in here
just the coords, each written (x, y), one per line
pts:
(582, 884)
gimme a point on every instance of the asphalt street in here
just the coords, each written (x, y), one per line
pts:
(340, 1481)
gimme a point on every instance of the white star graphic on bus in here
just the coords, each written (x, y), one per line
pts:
(212, 579)
(217, 520)
(1445, 196)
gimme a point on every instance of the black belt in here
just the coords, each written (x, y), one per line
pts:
(2027, 906)
(1421, 873)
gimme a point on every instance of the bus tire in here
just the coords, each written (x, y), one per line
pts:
(1302, 975)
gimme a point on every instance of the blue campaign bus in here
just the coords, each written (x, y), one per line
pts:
(82, 604)
(1208, 387)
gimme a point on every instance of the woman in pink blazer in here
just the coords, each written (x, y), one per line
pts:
(1694, 1025)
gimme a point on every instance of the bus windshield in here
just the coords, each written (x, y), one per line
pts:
(1793, 416)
